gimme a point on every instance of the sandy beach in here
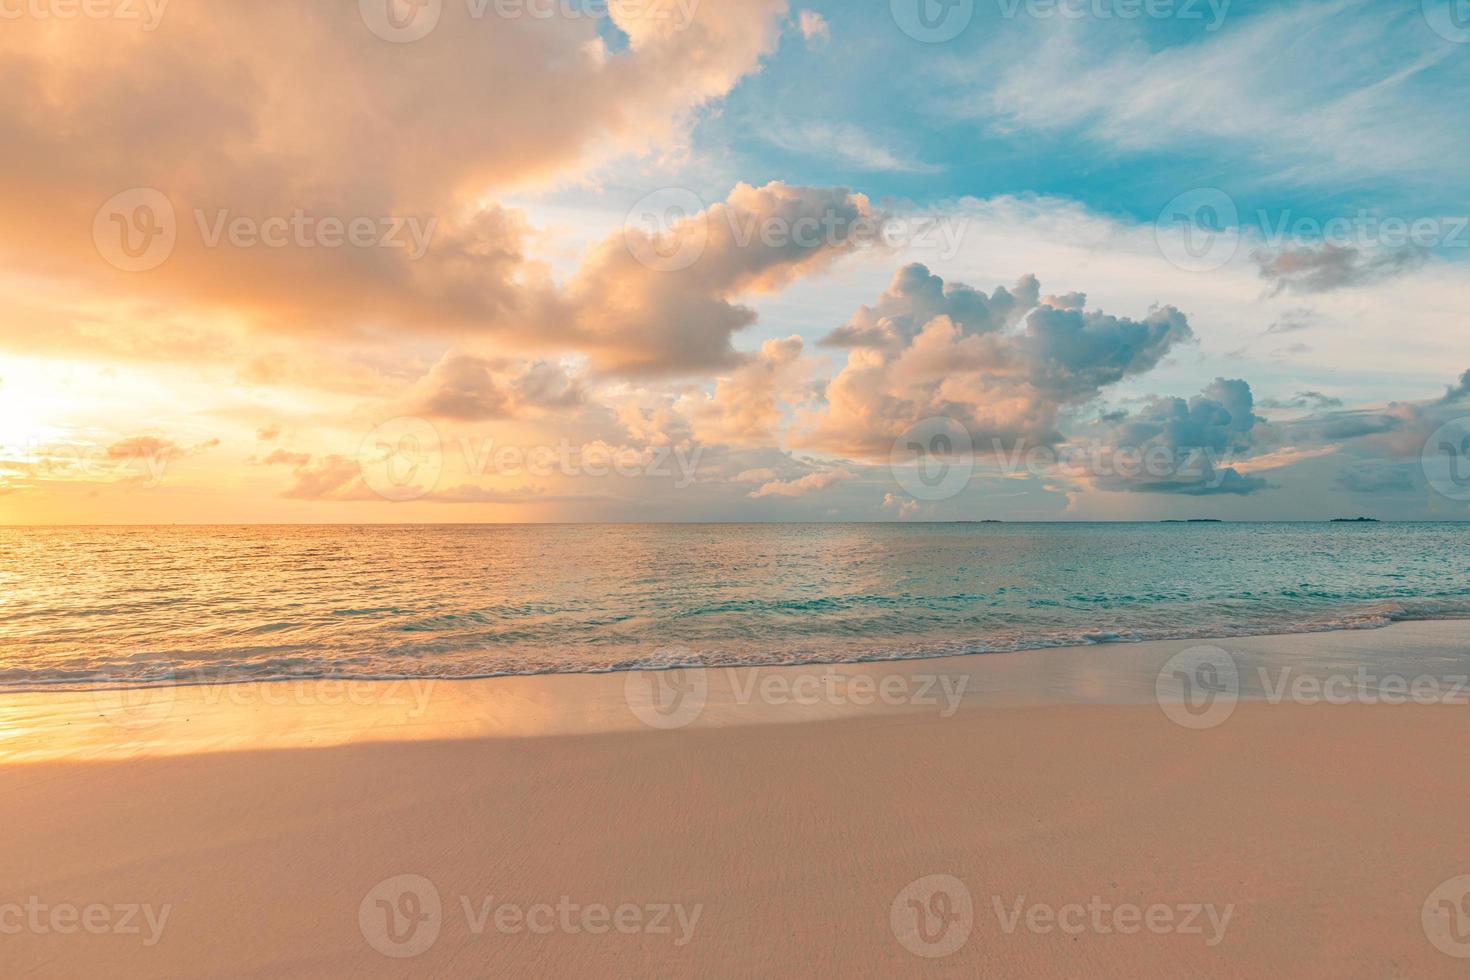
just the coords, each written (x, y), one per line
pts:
(1055, 820)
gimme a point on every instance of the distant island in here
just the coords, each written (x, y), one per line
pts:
(1193, 520)
(1355, 520)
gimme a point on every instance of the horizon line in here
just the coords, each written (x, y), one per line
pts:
(695, 523)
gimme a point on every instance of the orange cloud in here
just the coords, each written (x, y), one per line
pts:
(311, 174)
(650, 303)
(746, 408)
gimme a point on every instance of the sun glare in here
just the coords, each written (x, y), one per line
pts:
(29, 408)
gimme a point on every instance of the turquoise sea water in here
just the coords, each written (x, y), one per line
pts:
(188, 603)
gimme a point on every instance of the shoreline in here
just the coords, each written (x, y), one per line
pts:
(131, 721)
(75, 685)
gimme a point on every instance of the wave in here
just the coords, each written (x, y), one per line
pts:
(473, 665)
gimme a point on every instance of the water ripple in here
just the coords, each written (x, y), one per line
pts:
(147, 604)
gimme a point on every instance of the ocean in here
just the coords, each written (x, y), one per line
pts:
(186, 604)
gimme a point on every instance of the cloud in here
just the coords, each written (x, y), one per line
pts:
(1313, 400)
(634, 316)
(1066, 301)
(145, 447)
(843, 143)
(1290, 350)
(332, 477)
(468, 388)
(813, 26)
(1283, 457)
(155, 448)
(515, 143)
(746, 407)
(142, 460)
(903, 506)
(1371, 86)
(1004, 364)
(284, 457)
(1184, 447)
(1292, 321)
(329, 477)
(1377, 478)
(1324, 267)
(299, 116)
(800, 487)
(915, 297)
(1353, 424)
(1072, 355)
(1398, 429)
(469, 493)
(1460, 389)
(650, 417)
(463, 388)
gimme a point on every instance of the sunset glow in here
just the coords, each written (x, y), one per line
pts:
(733, 295)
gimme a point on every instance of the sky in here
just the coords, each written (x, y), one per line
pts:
(689, 260)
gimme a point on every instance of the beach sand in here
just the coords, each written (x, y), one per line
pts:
(774, 839)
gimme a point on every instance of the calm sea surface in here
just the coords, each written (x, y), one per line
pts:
(185, 603)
